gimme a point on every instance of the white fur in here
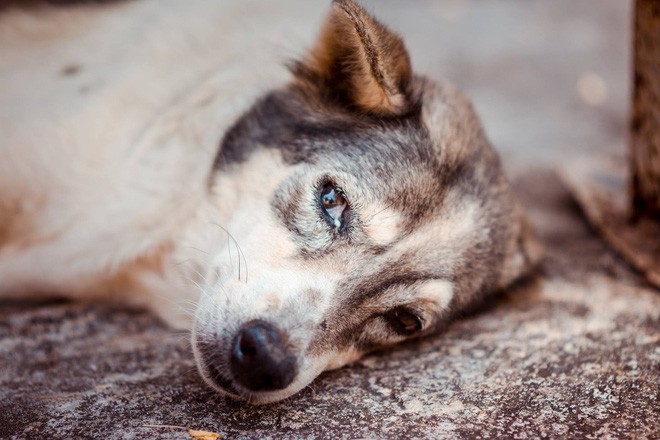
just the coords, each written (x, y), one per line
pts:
(104, 172)
(438, 291)
(382, 224)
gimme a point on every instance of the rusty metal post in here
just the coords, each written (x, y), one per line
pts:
(621, 198)
(645, 123)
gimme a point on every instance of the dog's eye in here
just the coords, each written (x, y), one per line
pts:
(403, 321)
(334, 204)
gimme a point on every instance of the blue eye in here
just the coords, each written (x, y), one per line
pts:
(334, 204)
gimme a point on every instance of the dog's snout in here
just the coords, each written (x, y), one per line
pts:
(260, 360)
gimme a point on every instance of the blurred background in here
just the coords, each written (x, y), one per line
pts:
(548, 78)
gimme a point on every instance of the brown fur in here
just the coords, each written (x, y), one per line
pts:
(358, 60)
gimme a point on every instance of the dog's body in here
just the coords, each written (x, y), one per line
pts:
(111, 117)
(157, 151)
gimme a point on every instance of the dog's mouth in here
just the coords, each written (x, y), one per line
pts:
(209, 371)
(222, 383)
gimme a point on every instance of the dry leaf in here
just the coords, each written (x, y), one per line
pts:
(203, 435)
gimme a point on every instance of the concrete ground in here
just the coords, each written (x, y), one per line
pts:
(573, 352)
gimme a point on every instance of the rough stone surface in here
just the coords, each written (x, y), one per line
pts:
(573, 352)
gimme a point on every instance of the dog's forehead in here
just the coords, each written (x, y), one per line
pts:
(305, 131)
(406, 150)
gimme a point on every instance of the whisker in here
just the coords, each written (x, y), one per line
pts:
(231, 260)
(178, 306)
(196, 249)
(387, 206)
(239, 250)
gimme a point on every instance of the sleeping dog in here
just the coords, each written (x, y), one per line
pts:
(163, 154)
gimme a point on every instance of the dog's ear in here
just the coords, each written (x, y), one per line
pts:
(358, 63)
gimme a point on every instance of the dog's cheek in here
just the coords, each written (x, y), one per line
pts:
(344, 357)
(523, 250)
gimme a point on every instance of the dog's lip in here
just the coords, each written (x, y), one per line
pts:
(221, 381)
(210, 372)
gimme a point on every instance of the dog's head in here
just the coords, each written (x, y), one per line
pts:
(362, 206)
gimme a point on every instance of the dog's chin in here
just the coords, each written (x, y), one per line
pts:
(218, 381)
(226, 387)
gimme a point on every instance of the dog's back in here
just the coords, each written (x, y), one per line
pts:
(95, 101)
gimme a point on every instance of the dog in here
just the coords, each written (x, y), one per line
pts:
(165, 155)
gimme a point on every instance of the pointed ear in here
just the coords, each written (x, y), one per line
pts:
(359, 63)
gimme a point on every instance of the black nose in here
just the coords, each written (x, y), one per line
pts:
(259, 359)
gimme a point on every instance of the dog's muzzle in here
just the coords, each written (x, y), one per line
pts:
(260, 360)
